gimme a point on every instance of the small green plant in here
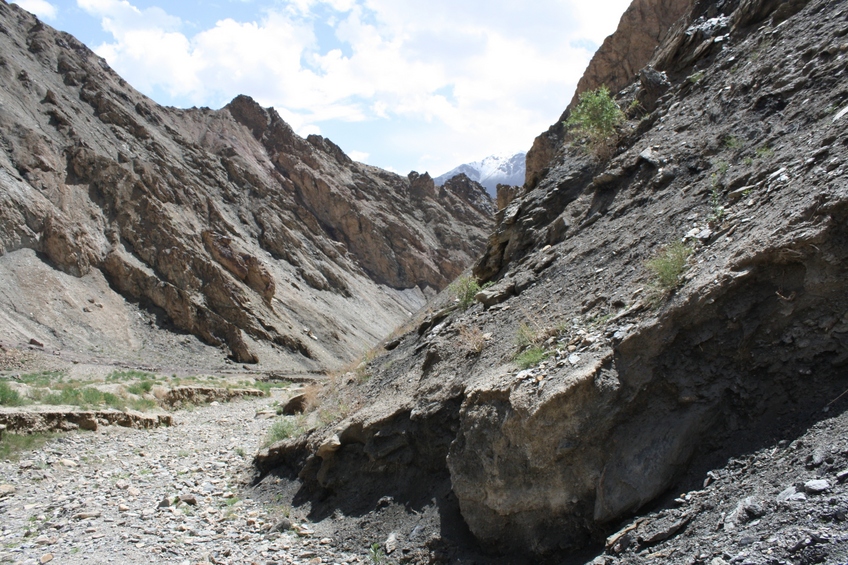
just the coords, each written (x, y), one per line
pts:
(765, 152)
(748, 161)
(9, 396)
(668, 267)
(722, 167)
(596, 116)
(732, 142)
(635, 109)
(531, 357)
(376, 555)
(695, 78)
(465, 288)
(283, 428)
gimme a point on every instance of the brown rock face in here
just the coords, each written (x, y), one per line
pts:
(225, 224)
(644, 25)
(642, 28)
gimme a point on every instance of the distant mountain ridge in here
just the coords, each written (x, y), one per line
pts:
(491, 171)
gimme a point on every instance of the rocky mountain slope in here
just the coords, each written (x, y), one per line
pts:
(580, 389)
(490, 172)
(136, 231)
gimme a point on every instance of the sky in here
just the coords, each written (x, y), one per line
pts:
(405, 85)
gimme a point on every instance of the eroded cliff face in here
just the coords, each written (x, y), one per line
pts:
(635, 388)
(223, 224)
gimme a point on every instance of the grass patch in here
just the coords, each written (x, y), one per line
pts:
(764, 152)
(140, 388)
(41, 378)
(13, 445)
(89, 397)
(668, 267)
(9, 396)
(531, 357)
(732, 142)
(283, 428)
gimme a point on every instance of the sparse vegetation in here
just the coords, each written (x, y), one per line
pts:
(596, 116)
(765, 152)
(526, 336)
(732, 142)
(267, 386)
(531, 357)
(41, 378)
(668, 267)
(12, 445)
(283, 428)
(140, 388)
(376, 555)
(695, 78)
(717, 208)
(471, 339)
(129, 375)
(465, 288)
(9, 396)
(635, 109)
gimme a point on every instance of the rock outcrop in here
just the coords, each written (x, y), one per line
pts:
(643, 27)
(586, 388)
(222, 224)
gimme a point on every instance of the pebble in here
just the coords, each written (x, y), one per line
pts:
(817, 486)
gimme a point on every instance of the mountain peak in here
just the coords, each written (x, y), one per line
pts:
(504, 168)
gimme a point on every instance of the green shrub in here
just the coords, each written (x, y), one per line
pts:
(531, 357)
(465, 289)
(281, 429)
(9, 396)
(596, 116)
(140, 388)
(669, 265)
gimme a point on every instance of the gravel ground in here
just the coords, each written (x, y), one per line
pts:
(109, 497)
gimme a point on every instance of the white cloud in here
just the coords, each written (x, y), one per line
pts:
(40, 8)
(360, 156)
(486, 76)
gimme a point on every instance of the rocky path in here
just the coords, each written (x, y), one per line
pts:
(176, 495)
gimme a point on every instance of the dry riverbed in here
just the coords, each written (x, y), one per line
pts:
(175, 494)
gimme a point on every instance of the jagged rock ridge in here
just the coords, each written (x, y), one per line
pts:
(224, 224)
(643, 389)
(490, 172)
